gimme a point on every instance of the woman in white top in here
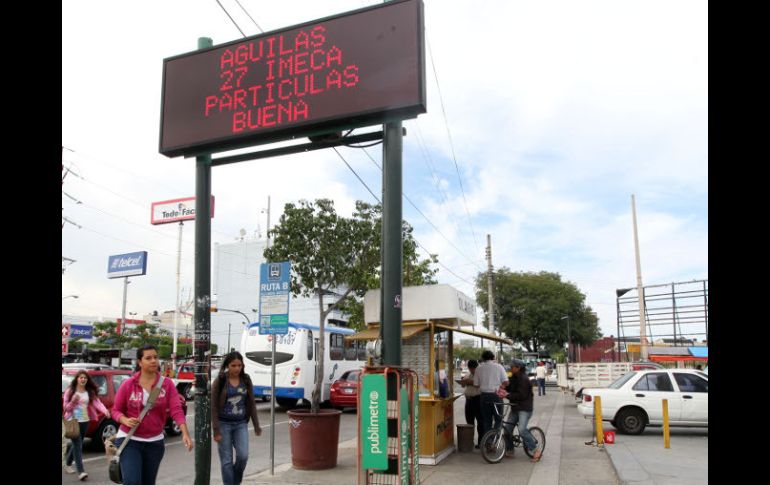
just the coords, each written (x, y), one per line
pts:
(82, 403)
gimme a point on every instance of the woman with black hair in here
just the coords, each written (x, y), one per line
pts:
(81, 403)
(232, 406)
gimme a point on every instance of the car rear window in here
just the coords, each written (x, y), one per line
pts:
(352, 376)
(654, 381)
(621, 380)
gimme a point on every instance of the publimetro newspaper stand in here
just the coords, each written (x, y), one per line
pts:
(431, 315)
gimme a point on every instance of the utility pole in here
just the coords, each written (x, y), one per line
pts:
(490, 297)
(228, 337)
(639, 287)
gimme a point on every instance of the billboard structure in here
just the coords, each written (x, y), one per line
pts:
(355, 69)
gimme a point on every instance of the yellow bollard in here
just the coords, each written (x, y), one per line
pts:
(666, 436)
(598, 420)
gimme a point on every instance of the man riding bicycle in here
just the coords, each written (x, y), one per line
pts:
(520, 392)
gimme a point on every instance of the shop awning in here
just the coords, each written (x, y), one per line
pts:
(677, 358)
(374, 333)
(699, 351)
(487, 336)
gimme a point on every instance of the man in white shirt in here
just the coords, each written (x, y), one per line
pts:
(489, 377)
(540, 375)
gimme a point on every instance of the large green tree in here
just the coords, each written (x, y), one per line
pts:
(531, 309)
(332, 255)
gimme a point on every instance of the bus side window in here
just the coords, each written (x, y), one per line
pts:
(335, 346)
(350, 349)
(309, 345)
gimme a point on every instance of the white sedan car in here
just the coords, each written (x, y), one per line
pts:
(635, 400)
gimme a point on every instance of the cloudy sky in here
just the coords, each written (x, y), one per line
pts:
(553, 113)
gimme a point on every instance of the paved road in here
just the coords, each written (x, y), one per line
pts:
(178, 466)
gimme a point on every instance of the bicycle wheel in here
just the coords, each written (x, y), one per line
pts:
(539, 436)
(493, 445)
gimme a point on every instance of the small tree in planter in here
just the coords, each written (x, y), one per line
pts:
(327, 253)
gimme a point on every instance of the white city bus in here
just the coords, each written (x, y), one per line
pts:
(295, 360)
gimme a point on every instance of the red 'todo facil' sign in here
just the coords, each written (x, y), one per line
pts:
(355, 69)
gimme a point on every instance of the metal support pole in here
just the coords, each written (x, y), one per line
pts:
(490, 297)
(176, 308)
(202, 311)
(392, 245)
(123, 312)
(272, 371)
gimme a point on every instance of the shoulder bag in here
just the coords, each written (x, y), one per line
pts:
(71, 428)
(114, 456)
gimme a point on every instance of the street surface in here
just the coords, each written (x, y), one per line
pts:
(178, 465)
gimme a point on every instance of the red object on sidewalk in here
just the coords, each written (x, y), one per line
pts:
(609, 437)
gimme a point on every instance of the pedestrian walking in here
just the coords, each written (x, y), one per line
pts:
(540, 376)
(232, 406)
(472, 399)
(489, 377)
(520, 393)
(82, 403)
(141, 457)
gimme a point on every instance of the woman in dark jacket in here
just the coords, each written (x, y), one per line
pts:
(232, 406)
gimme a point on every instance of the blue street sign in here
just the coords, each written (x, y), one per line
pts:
(80, 331)
(274, 285)
(129, 264)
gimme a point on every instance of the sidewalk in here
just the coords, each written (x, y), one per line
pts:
(637, 460)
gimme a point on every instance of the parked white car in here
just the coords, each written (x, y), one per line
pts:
(635, 400)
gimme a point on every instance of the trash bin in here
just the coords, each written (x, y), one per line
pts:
(464, 437)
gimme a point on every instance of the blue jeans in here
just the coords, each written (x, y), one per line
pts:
(521, 417)
(234, 435)
(541, 387)
(140, 461)
(75, 449)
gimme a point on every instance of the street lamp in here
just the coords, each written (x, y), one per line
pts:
(217, 309)
(569, 341)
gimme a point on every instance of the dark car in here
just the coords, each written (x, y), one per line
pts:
(344, 391)
(108, 382)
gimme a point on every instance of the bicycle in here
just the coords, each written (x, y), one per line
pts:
(493, 443)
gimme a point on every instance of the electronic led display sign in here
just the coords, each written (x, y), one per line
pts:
(355, 69)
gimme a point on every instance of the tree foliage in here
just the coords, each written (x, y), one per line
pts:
(530, 308)
(332, 255)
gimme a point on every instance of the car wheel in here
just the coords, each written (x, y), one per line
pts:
(173, 429)
(631, 421)
(266, 398)
(104, 431)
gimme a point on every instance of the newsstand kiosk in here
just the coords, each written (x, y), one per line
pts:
(431, 315)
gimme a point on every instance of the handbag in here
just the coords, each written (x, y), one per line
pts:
(113, 468)
(71, 428)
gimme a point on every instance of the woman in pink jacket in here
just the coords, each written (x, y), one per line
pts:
(140, 459)
(82, 403)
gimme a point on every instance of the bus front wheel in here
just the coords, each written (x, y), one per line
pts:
(286, 402)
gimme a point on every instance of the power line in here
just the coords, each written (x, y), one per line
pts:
(425, 217)
(231, 19)
(451, 144)
(378, 200)
(247, 13)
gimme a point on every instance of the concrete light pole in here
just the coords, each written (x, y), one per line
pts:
(569, 342)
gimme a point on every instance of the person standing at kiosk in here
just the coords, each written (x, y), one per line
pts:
(489, 377)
